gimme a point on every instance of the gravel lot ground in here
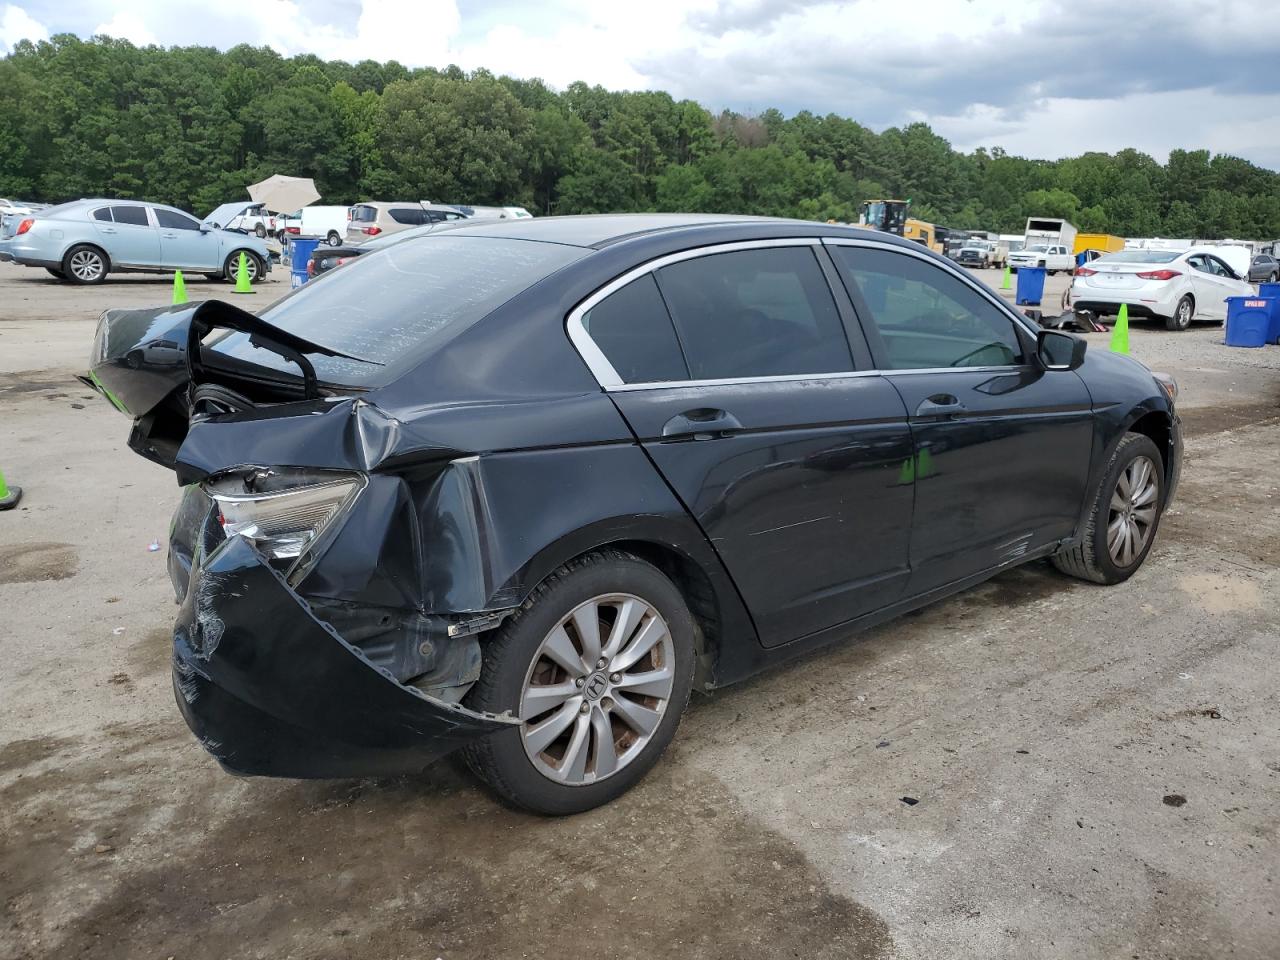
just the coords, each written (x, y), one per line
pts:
(1097, 770)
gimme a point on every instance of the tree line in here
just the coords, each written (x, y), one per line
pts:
(192, 126)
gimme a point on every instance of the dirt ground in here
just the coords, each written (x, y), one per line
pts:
(1097, 770)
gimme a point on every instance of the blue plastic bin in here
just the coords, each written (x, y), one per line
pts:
(1271, 291)
(300, 251)
(1248, 321)
(1030, 286)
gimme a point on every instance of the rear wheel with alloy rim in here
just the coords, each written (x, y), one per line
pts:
(597, 665)
(333, 239)
(1182, 314)
(85, 264)
(1124, 517)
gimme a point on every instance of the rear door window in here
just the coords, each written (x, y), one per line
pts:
(408, 216)
(130, 214)
(755, 313)
(925, 317)
(633, 330)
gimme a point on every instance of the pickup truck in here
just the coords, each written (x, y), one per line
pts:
(1052, 258)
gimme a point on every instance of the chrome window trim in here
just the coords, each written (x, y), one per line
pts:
(980, 288)
(599, 364)
(734, 381)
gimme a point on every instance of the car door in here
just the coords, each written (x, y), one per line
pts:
(1002, 446)
(129, 237)
(794, 459)
(183, 245)
(1214, 282)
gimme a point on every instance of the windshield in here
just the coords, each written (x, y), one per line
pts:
(394, 306)
(1139, 256)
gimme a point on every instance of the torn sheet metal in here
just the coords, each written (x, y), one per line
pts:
(297, 700)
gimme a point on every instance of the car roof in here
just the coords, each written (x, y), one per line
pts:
(603, 229)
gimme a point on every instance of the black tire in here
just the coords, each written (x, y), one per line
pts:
(1271, 277)
(260, 232)
(333, 239)
(1090, 559)
(133, 359)
(500, 760)
(253, 262)
(77, 264)
(1182, 314)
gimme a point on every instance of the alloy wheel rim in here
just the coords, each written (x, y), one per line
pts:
(597, 689)
(86, 264)
(1184, 313)
(1132, 514)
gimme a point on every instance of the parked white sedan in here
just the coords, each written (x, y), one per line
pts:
(1176, 286)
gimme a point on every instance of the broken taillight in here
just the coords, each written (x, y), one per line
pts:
(283, 524)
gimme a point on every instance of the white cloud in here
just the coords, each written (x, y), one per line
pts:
(16, 24)
(129, 26)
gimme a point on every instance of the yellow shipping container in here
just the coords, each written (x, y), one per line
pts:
(1098, 241)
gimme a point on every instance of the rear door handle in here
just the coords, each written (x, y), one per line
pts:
(940, 405)
(702, 423)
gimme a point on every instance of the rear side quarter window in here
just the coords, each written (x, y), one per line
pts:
(633, 330)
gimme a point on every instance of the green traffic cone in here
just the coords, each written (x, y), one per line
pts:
(1120, 332)
(242, 276)
(9, 496)
(179, 289)
(1006, 283)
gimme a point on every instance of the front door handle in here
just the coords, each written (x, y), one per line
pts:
(701, 423)
(940, 405)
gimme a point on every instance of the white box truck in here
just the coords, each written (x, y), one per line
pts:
(1049, 242)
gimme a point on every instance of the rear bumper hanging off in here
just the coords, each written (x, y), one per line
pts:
(270, 690)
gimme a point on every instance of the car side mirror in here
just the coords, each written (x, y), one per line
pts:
(205, 228)
(1058, 350)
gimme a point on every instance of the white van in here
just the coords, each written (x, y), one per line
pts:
(325, 223)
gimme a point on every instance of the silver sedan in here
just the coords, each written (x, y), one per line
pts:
(84, 240)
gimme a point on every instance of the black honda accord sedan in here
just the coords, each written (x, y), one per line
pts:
(517, 488)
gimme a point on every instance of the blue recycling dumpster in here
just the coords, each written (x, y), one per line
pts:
(1271, 291)
(1248, 321)
(1030, 286)
(300, 251)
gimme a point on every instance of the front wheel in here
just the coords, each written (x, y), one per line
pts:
(253, 266)
(1126, 512)
(597, 664)
(1182, 314)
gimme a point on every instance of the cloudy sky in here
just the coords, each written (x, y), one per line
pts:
(1043, 78)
